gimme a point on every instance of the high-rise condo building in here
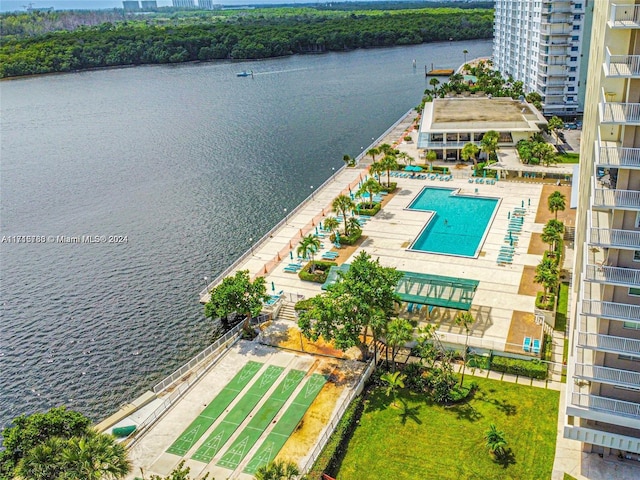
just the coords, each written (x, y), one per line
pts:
(603, 375)
(184, 3)
(540, 43)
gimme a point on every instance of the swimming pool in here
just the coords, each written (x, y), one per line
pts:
(458, 225)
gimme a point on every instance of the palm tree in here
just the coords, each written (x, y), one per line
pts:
(370, 186)
(554, 125)
(431, 157)
(465, 320)
(373, 152)
(348, 160)
(489, 143)
(551, 236)
(95, 457)
(354, 225)
(406, 158)
(277, 470)
(544, 152)
(556, 201)
(394, 381)
(469, 152)
(546, 274)
(389, 163)
(496, 440)
(343, 204)
(464, 52)
(44, 461)
(309, 246)
(399, 331)
(434, 82)
(331, 224)
(376, 169)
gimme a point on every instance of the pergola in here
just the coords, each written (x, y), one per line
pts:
(425, 289)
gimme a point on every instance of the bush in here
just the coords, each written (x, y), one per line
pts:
(526, 368)
(391, 188)
(370, 211)
(479, 361)
(329, 458)
(407, 138)
(545, 305)
(303, 305)
(320, 273)
(350, 240)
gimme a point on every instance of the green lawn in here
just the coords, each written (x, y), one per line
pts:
(568, 157)
(563, 304)
(421, 440)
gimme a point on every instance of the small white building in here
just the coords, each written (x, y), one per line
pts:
(448, 124)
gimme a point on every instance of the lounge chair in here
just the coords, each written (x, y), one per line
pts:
(410, 308)
(290, 270)
(471, 180)
(526, 345)
(536, 346)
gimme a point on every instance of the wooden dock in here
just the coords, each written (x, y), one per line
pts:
(439, 72)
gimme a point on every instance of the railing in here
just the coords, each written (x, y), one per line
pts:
(612, 310)
(322, 441)
(617, 112)
(450, 144)
(607, 405)
(267, 236)
(609, 343)
(618, 157)
(613, 275)
(614, 238)
(625, 16)
(622, 65)
(607, 375)
(613, 198)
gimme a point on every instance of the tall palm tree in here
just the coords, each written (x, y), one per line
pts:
(371, 187)
(546, 274)
(469, 152)
(373, 152)
(95, 457)
(406, 158)
(489, 143)
(354, 225)
(556, 201)
(496, 440)
(554, 124)
(399, 331)
(309, 246)
(465, 320)
(465, 52)
(434, 82)
(551, 236)
(376, 169)
(331, 224)
(343, 204)
(389, 163)
(430, 157)
(394, 381)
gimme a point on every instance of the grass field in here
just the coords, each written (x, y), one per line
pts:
(563, 305)
(428, 441)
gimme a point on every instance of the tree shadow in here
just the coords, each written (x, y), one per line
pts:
(466, 412)
(409, 413)
(507, 408)
(505, 458)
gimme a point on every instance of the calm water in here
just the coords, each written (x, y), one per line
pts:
(188, 162)
(459, 224)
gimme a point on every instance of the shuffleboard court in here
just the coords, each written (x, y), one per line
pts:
(256, 427)
(202, 422)
(287, 423)
(237, 415)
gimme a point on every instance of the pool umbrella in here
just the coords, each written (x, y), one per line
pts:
(291, 254)
(508, 214)
(510, 240)
(417, 168)
(337, 238)
(408, 168)
(522, 203)
(316, 230)
(273, 287)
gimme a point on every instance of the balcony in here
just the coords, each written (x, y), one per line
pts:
(621, 66)
(594, 436)
(624, 16)
(620, 113)
(626, 277)
(609, 344)
(616, 199)
(606, 405)
(614, 238)
(618, 157)
(623, 312)
(611, 376)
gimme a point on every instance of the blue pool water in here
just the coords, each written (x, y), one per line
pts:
(459, 223)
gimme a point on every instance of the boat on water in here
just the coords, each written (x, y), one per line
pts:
(245, 73)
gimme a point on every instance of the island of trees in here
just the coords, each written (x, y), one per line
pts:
(49, 42)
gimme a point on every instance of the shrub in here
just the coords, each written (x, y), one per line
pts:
(303, 305)
(414, 381)
(320, 273)
(526, 368)
(370, 211)
(545, 305)
(351, 239)
(391, 188)
(329, 458)
(407, 138)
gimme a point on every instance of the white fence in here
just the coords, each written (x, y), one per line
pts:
(322, 441)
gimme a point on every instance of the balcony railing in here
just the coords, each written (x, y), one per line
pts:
(611, 310)
(611, 198)
(623, 66)
(617, 157)
(609, 343)
(604, 404)
(629, 277)
(620, 113)
(624, 16)
(611, 376)
(613, 238)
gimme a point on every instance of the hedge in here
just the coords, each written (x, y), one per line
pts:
(319, 275)
(350, 240)
(526, 368)
(391, 188)
(370, 211)
(549, 304)
(329, 458)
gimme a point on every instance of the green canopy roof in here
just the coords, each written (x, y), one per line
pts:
(425, 289)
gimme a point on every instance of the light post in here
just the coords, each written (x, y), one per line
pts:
(251, 243)
(285, 216)
(312, 196)
(206, 283)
